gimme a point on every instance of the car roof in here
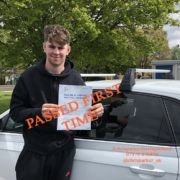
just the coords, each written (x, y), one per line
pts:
(164, 87)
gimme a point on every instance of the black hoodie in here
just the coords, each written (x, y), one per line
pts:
(35, 87)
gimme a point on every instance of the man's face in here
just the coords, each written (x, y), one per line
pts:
(56, 53)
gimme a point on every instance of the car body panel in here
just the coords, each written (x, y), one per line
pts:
(109, 159)
(11, 145)
(178, 152)
(158, 87)
(99, 160)
(99, 157)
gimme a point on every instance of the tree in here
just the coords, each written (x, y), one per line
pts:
(104, 33)
(4, 36)
(159, 49)
(175, 53)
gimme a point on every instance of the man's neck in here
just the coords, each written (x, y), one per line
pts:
(54, 69)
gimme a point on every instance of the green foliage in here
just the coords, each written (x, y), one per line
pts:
(175, 53)
(5, 98)
(106, 35)
(156, 50)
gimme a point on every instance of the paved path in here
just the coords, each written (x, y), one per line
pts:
(7, 88)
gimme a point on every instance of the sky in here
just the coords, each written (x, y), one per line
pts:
(173, 32)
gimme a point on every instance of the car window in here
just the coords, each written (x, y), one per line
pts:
(173, 109)
(13, 126)
(132, 117)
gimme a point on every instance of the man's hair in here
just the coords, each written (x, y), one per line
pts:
(56, 33)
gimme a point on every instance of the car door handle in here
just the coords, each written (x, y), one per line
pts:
(154, 172)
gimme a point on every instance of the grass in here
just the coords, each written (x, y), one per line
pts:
(5, 98)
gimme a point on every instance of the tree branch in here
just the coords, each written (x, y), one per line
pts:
(4, 2)
(2, 43)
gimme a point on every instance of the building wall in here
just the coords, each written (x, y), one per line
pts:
(174, 63)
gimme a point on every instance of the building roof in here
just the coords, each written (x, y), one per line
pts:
(165, 62)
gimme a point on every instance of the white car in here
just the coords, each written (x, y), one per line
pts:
(138, 137)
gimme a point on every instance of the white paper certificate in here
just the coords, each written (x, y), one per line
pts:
(74, 102)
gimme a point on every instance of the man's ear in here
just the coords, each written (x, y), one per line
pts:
(69, 50)
(44, 47)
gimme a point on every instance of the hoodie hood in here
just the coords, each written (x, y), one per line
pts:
(69, 66)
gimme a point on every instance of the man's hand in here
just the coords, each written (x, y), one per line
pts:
(98, 108)
(47, 108)
(51, 111)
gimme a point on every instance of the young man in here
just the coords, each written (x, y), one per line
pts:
(47, 154)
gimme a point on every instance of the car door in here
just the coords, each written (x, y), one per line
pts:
(173, 109)
(11, 144)
(133, 140)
